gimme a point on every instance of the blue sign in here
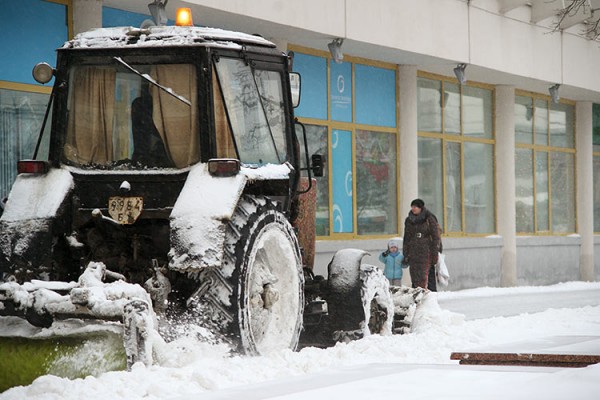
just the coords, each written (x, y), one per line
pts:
(375, 95)
(340, 90)
(313, 97)
(341, 177)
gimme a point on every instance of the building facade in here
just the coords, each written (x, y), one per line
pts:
(512, 172)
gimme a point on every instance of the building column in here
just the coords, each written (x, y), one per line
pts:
(585, 186)
(87, 14)
(505, 180)
(409, 157)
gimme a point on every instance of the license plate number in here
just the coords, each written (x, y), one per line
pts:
(125, 210)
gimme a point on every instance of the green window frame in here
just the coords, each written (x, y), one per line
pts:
(456, 147)
(545, 159)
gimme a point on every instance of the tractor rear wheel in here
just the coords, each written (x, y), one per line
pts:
(259, 290)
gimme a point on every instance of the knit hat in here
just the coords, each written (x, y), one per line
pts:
(394, 242)
(418, 202)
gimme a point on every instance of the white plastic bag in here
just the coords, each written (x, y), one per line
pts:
(442, 270)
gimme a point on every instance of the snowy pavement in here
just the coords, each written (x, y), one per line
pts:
(506, 302)
(414, 366)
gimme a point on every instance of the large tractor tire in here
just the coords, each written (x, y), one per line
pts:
(359, 298)
(257, 296)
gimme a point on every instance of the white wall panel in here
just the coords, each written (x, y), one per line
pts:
(431, 27)
(581, 62)
(515, 47)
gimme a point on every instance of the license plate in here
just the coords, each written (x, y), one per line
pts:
(125, 210)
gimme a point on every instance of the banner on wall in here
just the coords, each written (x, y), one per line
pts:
(341, 154)
(341, 91)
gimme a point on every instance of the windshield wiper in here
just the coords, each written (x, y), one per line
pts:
(149, 79)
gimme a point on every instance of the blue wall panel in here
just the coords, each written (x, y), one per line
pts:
(313, 98)
(31, 31)
(375, 96)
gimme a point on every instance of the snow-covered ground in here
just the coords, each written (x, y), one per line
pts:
(415, 366)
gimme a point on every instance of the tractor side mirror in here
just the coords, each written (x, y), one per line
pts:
(317, 161)
(295, 88)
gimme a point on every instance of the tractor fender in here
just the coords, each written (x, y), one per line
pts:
(34, 206)
(201, 213)
(36, 196)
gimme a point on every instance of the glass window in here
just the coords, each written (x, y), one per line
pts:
(523, 119)
(430, 175)
(524, 190)
(456, 160)
(562, 178)
(376, 182)
(596, 193)
(313, 102)
(118, 119)
(316, 136)
(451, 102)
(541, 122)
(477, 112)
(31, 31)
(271, 94)
(453, 187)
(549, 178)
(596, 173)
(350, 110)
(542, 197)
(596, 127)
(254, 141)
(375, 94)
(22, 115)
(561, 126)
(429, 105)
(342, 182)
(479, 187)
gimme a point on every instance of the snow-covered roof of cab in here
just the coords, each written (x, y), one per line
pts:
(164, 36)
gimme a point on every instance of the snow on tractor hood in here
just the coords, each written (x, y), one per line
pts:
(37, 196)
(200, 215)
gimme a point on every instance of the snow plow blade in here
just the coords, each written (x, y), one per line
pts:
(44, 322)
(75, 355)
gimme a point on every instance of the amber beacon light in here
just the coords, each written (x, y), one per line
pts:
(184, 17)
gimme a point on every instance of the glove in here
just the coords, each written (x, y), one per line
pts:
(385, 253)
(405, 261)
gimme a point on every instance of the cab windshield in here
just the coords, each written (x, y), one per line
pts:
(253, 102)
(119, 119)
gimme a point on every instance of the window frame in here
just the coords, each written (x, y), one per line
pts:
(461, 138)
(549, 149)
(332, 125)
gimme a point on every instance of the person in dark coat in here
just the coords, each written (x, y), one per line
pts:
(421, 242)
